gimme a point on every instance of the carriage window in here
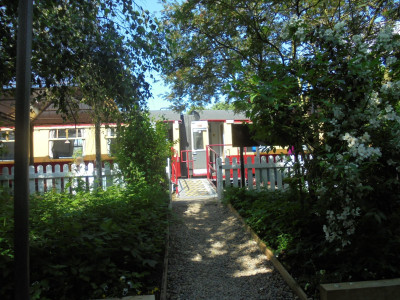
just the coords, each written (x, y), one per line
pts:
(198, 139)
(111, 140)
(66, 143)
(7, 141)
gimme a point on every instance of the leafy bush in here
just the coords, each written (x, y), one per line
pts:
(295, 235)
(336, 99)
(142, 148)
(85, 246)
(272, 215)
(6, 242)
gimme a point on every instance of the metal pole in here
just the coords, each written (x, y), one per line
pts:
(22, 132)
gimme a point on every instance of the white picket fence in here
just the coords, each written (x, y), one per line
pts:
(63, 179)
(267, 175)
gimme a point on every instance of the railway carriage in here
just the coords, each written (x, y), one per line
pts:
(201, 137)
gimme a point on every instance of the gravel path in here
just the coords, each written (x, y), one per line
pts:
(212, 257)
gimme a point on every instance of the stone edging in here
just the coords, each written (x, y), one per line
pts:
(142, 297)
(271, 257)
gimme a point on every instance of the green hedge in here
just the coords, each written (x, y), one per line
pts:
(90, 245)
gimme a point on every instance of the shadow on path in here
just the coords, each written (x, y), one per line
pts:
(212, 257)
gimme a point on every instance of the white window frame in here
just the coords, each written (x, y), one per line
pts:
(54, 134)
(111, 134)
(6, 140)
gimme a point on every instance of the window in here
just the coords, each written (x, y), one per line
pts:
(66, 143)
(198, 139)
(111, 140)
(7, 140)
(170, 133)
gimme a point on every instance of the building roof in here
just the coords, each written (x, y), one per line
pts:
(49, 116)
(203, 115)
(168, 115)
(41, 112)
(220, 115)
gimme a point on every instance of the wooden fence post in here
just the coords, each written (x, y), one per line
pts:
(108, 176)
(90, 182)
(40, 175)
(219, 178)
(264, 172)
(271, 171)
(249, 173)
(235, 169)
(49, 182)
(32, 183)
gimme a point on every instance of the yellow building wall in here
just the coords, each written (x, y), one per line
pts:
(41, 142)
(228, 150)
(175, 133)
(90, 148)
(41, 137)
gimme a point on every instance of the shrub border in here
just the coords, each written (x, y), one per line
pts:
(164, 280)
(271, 257)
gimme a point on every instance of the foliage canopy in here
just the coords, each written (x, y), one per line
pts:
(322, 77)
(102, 47)
(216, 45)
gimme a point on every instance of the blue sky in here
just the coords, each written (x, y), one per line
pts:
(158, 88)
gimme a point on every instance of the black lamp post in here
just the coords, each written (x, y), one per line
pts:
(22, 142)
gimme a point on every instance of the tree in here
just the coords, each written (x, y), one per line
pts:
(223, 106)
(102, 47)
(214, 45)
(322, 77)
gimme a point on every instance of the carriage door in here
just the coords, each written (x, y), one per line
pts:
(199, 142)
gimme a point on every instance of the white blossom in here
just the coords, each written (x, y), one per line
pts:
(358, 149)
(337, 112)
(339, 26)
(384, 38)
(374, 100)
(386, 87)
(300, 33)
(391, 60)
(328, 34)
(366, 137)
(357, 39)
(374, 122)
